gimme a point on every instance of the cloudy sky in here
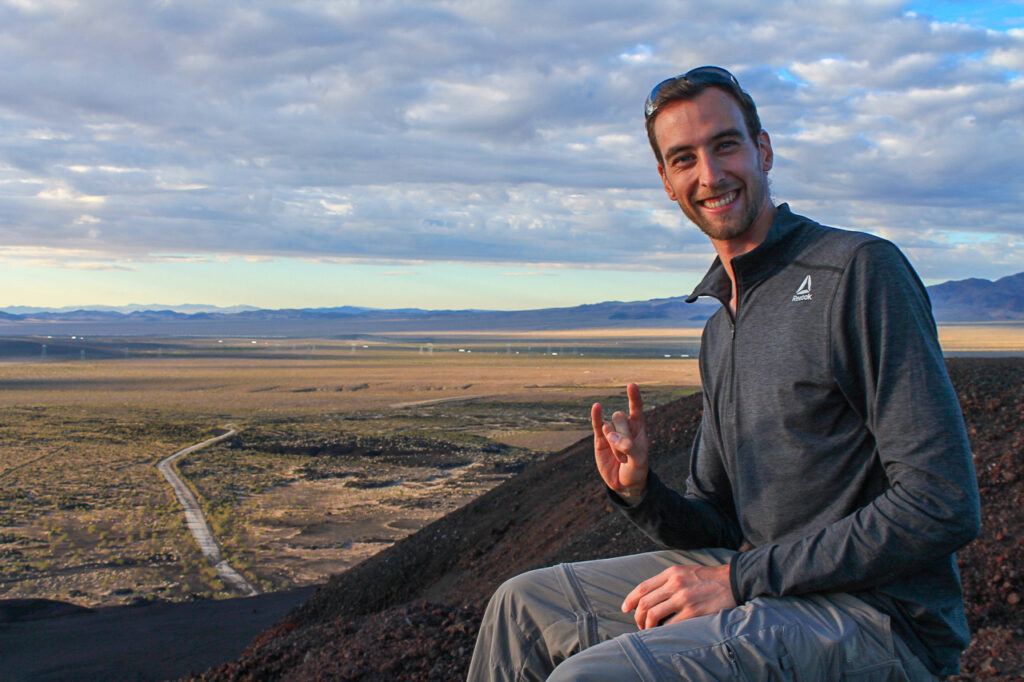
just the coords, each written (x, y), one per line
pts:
(475, 153)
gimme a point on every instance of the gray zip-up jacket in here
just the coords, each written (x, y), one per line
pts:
(831, 440)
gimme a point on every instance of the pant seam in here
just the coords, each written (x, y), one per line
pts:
(633, 648)
(581, 606)
(530, 647)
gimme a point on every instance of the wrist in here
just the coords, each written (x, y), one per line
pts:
(632, 495)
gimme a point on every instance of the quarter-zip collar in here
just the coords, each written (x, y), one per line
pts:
(756, 264)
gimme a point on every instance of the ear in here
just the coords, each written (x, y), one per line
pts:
(664, 181)
(764, 145)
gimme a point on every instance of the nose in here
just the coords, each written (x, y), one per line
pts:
(709, 170)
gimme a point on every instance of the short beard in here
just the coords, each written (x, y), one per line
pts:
(746, 222)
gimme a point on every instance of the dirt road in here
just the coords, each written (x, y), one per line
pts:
(195, 520)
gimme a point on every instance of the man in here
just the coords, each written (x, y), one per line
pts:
(830, 483)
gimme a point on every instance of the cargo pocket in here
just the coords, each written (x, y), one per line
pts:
(742, 658)
(715, 662)
(886, 671)
(766, 656)
(874, 640)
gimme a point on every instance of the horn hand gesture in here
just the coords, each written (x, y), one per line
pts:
(620, 448)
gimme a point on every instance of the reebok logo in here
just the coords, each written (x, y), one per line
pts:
(803, 292)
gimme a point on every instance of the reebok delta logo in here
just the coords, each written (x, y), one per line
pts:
(803, 292)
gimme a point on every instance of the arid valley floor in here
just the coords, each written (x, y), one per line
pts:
(343, 448)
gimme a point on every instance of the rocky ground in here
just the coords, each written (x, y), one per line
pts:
(411, 612)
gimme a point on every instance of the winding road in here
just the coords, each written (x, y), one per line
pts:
(196, 522)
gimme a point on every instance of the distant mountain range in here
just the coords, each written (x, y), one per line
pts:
(131, 307)
(979, 300)
(352, 321)
(969, 300)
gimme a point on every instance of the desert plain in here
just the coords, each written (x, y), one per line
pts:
(344, 445)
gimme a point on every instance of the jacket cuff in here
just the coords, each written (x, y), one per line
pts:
(653, 482)
(734, 584)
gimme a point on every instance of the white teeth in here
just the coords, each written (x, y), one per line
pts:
(721, 201)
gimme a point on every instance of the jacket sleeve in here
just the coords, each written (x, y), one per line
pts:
(887, 362)
(703, 517)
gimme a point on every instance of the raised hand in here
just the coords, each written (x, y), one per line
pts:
(620, 448)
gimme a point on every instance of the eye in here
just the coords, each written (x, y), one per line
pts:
(682, 159)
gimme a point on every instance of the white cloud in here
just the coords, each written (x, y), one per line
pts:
(337, 207)
(65, 195)
(488, 131)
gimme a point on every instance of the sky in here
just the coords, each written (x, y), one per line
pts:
(476, 153)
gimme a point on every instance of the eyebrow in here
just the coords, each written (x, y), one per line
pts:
(727, 133)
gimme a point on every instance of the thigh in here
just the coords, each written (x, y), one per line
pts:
(599, 587)
(817, 637)
(833, 637)
(538, 619)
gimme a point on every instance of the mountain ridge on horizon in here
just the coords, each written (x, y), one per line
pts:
(968, 300)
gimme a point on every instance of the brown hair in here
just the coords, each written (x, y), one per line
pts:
(683, 88)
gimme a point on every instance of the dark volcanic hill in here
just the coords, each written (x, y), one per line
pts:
(411, 612)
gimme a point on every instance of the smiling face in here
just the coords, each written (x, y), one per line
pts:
(713, 170)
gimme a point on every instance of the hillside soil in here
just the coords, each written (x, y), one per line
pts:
(412, 611)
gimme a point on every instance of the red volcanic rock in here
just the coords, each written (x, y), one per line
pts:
(411, 612)
(992, 567)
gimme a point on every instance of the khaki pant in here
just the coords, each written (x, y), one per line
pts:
(566, 623)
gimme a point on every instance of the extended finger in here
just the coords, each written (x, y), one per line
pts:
(597, 419)
(636, 404)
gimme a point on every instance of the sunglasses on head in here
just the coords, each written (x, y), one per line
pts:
(702, 74)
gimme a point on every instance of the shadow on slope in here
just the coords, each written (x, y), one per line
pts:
(555, 510)
(359, 624)
(411, 612)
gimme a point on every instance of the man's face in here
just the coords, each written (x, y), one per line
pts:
(712, 169)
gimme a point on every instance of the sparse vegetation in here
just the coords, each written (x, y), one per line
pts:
(330, 438)
(344, 447)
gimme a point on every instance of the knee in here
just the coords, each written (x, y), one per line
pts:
(529, 599)
(521, 587)
(566, 671)
(603, 662)
(572, 669)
